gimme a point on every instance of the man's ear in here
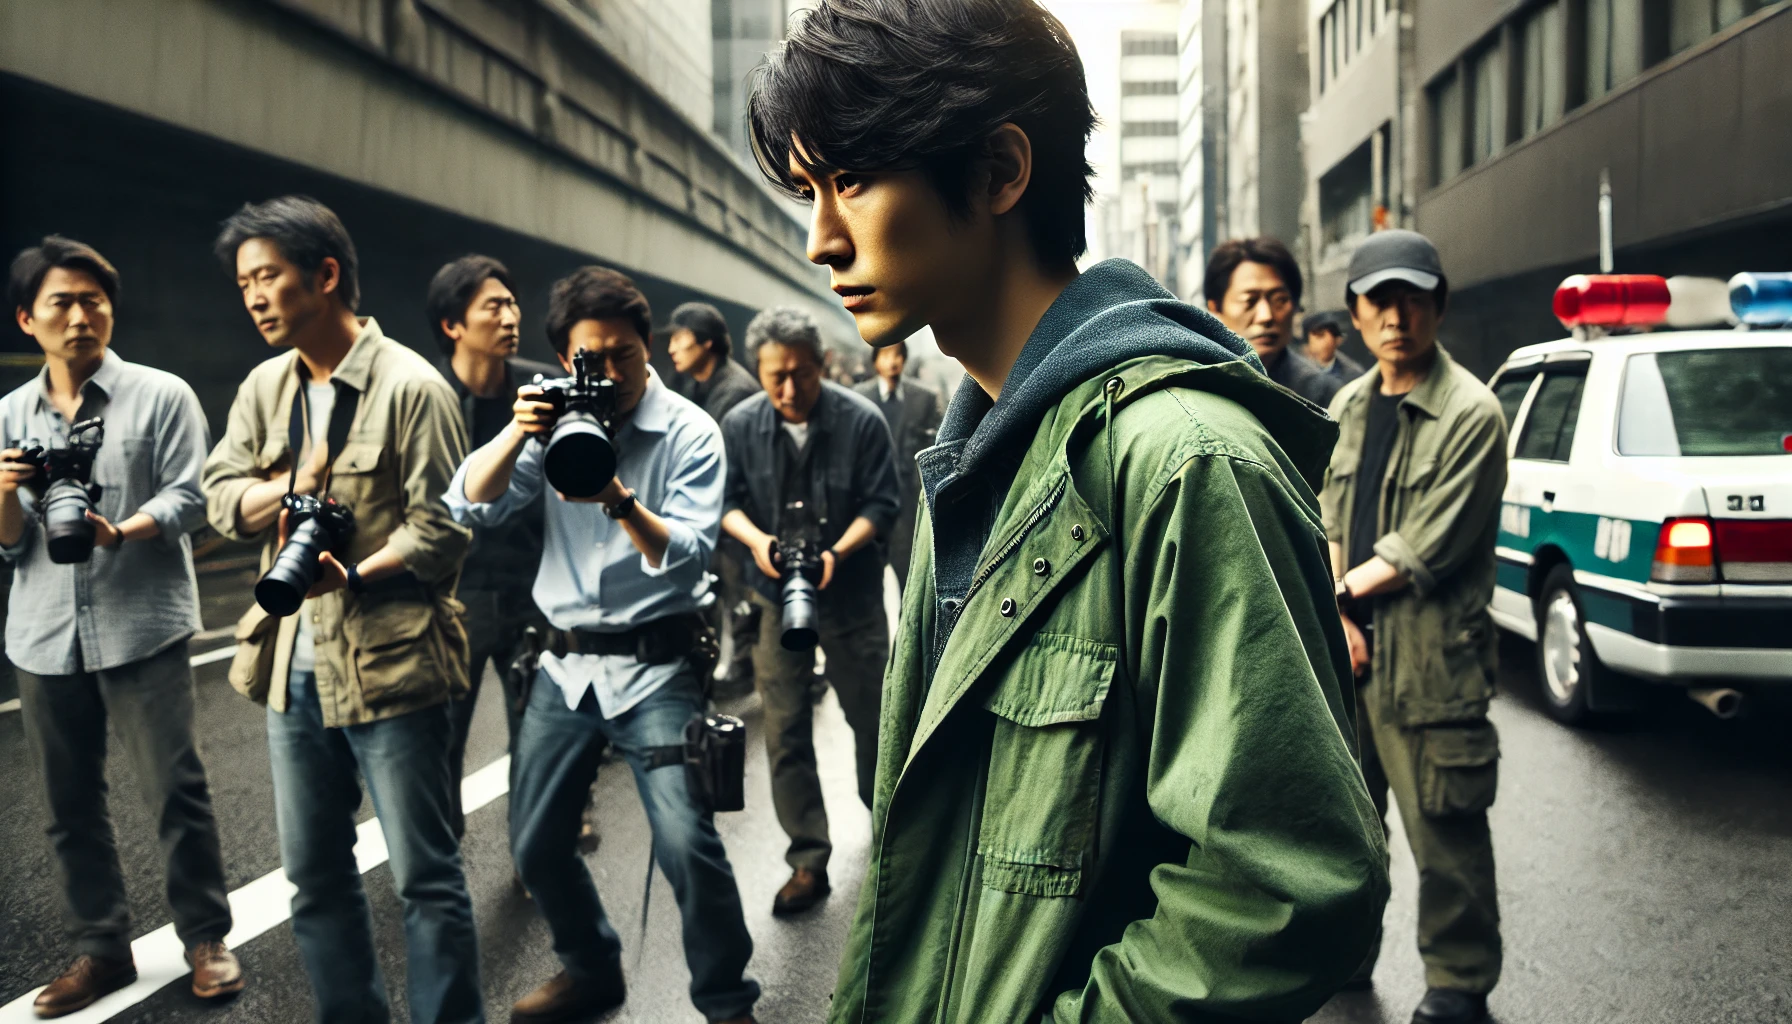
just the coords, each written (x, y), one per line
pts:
(23, 316)
(1354, 322)
(329, 276)
(1009, 157)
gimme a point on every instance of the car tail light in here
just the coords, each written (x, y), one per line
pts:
(1685, 553)
(1755, 550)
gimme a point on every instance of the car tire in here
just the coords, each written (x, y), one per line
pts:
(1567, 666)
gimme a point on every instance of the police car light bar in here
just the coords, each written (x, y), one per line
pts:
(1612, 300)
(1762, 300)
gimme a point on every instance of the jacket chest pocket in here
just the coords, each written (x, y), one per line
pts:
(1045, 767)
(355, 480)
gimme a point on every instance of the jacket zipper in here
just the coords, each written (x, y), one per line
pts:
(1040, 511)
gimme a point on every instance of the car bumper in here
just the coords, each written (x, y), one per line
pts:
(1694, 639)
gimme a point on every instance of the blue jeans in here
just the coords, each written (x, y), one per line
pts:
(556, 763)
(316, 793)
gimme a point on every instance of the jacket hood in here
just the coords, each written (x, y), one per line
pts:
(1115, 313)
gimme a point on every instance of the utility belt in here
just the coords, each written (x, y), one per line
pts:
(659, 642)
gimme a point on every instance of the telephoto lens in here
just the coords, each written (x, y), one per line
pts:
(68, 533)
(580, 460)
(799, 614)
(316, 527)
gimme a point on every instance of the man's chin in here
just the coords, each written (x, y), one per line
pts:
(881, 329)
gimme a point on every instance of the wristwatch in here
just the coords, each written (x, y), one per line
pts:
(1342, 591)
(354, 583)
(622, 509)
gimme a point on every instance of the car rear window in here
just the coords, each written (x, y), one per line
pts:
(1730, 401)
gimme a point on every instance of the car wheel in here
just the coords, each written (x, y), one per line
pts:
(1567, 667)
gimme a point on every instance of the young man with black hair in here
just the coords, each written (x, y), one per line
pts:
(1411, 505)
(475, 318)
(1253, 286)
(1118, 780)
(700, 349)
(357, 683)
(623, 579)
(105, 639)
(810, 441)
(912, 410)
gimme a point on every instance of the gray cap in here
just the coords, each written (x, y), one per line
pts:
(1395, 256)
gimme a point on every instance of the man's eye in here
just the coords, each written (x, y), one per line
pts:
(844, 183)
(808, 194)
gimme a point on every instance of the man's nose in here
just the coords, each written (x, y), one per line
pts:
(828, 244)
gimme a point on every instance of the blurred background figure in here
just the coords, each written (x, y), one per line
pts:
(912, 409)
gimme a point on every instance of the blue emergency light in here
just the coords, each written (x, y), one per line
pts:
(1762, 300)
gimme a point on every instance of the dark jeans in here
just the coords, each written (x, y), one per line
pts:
(857, 647)
(150, 706)
(495, 622)
(557, 761)
(316, 793)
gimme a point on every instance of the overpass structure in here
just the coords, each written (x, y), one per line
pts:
(522, 128)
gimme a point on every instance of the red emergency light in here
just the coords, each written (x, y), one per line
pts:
(1612, 300)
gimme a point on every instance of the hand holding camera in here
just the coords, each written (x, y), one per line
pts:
(578, 422)
(61, 478)
(309, 527)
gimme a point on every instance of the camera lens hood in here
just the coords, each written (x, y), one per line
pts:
(580, 460)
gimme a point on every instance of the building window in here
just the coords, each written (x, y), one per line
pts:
(1347, 200)
(1543, 88)
(1152, 45)
(1614, 44)
(1446, 128)
(1147, 88)
(1691, 22)
(1487, 99)
(1138, 128)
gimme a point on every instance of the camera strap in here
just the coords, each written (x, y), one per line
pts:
(342, 416)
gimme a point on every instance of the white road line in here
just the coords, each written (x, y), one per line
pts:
(254, 909)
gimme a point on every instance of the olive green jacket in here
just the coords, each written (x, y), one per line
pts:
(378, 655)
(1435, 644)
(1130, 791)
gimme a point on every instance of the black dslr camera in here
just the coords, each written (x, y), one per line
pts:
(580, 460)
(315, 525)
(798, 554)
(64, 489)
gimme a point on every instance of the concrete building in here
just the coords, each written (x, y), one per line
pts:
(1489, 127)
(548, 133)
(1141, 217)
(1243, 86)
(743, 32)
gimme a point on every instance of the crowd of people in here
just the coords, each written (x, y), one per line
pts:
(1183, 601)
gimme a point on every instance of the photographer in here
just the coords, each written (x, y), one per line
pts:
(475, 317)
(357, 683)
(105, 638)
(814, 442)
(623, 580)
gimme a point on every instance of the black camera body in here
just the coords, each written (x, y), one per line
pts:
(580, 460)
(65, 490)
(314, 525)
(798, 553)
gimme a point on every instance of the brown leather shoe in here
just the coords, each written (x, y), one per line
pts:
(566, 998)
(805, 889)
(85, 981)
(215, 970)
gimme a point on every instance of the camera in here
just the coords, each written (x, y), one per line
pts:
(798, 554)
(64, 489)
(580, 460)
(315, 525)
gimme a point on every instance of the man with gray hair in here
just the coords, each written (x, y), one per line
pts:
(812, 496)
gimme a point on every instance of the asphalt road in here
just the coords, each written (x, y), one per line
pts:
(1646, 872)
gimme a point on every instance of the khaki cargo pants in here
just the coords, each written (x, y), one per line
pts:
(1443, 778)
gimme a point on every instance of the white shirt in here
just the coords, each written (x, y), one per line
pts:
(885, 389)
(799, 432)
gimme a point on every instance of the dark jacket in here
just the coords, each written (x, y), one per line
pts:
(503, 558)
(730, 385)
(1128, 791)
(1303, 376)
(914, 421)
(848, 455)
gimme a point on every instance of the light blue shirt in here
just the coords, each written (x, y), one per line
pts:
(592, 576)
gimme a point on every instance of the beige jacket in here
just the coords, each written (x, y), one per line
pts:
(398, 648)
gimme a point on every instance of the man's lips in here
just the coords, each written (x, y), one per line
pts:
(852, 296)
(267, 324)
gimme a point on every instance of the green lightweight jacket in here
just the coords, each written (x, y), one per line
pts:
(1130, 790)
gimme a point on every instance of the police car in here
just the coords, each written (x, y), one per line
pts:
(1647, 520)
